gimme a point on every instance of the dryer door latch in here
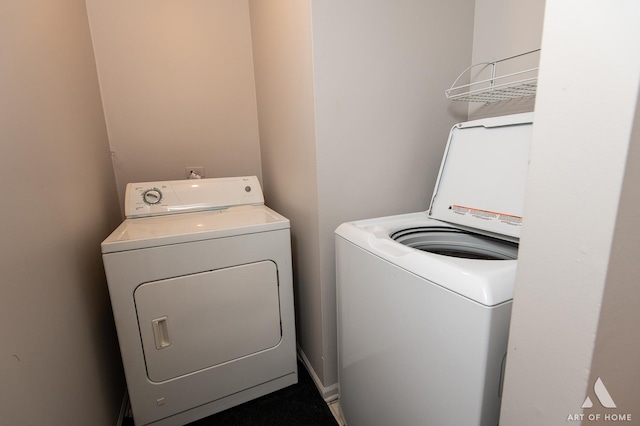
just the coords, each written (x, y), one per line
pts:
(161, 333)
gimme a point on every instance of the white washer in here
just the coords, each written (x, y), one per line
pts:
(200, 280)
(424, 299)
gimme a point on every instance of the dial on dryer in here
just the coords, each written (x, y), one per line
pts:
(152, 196)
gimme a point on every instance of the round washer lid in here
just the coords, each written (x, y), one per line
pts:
(482, 177)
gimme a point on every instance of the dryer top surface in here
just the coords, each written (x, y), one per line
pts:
(147, 232)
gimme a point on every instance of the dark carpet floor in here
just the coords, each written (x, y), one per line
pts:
(296, 405)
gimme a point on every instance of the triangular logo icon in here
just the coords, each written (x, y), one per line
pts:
(602, 394)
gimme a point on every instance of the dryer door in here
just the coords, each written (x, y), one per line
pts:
(198, 321)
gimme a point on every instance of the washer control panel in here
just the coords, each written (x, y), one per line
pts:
(183, 196)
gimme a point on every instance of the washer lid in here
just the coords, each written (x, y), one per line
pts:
(146, 232)
(482, 177)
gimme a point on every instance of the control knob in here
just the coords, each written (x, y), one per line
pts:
(152, 196)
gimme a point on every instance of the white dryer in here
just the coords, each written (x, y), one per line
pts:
(200, 280)
(424, 299)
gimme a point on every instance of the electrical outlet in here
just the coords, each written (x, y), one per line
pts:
(194, 172)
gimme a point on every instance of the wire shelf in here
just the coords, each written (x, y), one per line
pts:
(497, 88)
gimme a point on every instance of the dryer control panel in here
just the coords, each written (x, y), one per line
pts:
(182, 196)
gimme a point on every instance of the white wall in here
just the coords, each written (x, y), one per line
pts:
(503, 28)
(617, 346)
(382, 118)
(59, 360)
(281, 32)
(575, 305)
(177, 86)
(353, 123)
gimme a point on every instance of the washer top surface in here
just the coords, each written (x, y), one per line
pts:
(488, 282)
(174, 212)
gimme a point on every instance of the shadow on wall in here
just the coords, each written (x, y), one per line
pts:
(495, 109)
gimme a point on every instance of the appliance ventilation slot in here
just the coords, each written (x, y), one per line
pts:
(510, 82)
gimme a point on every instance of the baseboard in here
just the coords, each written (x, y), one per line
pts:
(123, 407)
(328, 393)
